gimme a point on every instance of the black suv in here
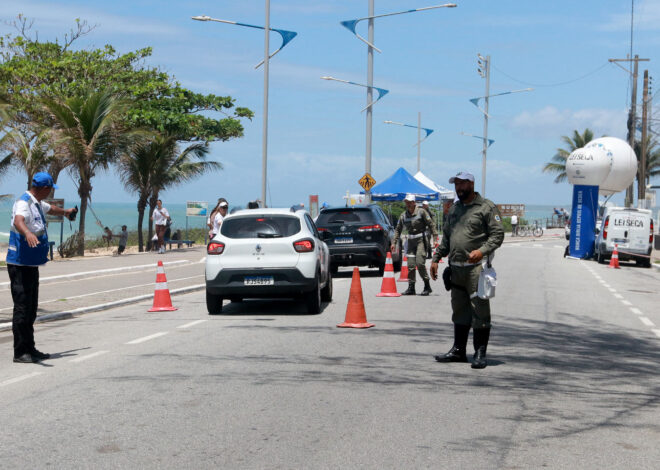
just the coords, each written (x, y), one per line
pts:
(358, 236)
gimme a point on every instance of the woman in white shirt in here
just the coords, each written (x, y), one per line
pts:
(160, 216)
(217, 217)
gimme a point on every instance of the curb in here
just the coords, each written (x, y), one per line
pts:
(67, 314)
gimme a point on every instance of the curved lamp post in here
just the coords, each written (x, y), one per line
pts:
(381, 91)
(351, 26)
(419, 135)
(287, 36)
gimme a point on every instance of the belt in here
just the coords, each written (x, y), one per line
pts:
(412, 237)
(463, 265)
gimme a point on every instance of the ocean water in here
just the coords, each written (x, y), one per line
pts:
(114, 215)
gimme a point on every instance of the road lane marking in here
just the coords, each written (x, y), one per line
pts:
(657, 333)
(611, 290)
(20, 378)
(636, 310)
(147, 338)
(192, 323)
(89, 356)
(646, 321)
(559, 246)
(108, 291)
(618, 296)
(87, 274)
(625, 302)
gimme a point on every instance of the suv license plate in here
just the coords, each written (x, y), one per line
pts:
(258, 281)
(340, 240)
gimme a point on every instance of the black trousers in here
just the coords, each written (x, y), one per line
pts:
(25, 293)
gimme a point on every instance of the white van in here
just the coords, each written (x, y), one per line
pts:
(628, 228)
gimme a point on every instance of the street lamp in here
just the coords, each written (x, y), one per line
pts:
(381, 91)
(419, 135)
(483, 68)
(287, 36)
(351, 25)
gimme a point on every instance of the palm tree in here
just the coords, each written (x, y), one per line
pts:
(154, 164)
(86, 125)
(652, 158)
(30, 152)
(558, 163)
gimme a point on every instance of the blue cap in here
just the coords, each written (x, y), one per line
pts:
(43, 179)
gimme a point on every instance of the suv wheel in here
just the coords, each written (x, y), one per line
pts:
(213, 303)
(313, 298)
(600, 258)
(326, 292)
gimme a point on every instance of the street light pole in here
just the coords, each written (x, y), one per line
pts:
(370, 84)
(485, 72)
(264, 133)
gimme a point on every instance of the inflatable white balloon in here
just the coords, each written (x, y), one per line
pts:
(624, 164)
(588, 166)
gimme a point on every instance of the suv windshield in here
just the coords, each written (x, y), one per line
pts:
(260, 226)
(347, 215)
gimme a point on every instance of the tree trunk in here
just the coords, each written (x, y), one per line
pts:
(152, 205)
(141, 205)
(81, 224)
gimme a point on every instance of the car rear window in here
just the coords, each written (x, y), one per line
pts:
(260, 226)
(343, 216)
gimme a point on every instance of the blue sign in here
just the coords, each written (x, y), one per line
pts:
(583, 221)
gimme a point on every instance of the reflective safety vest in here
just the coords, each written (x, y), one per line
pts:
(19, 252)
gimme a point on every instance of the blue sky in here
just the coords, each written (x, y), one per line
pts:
(316, 130)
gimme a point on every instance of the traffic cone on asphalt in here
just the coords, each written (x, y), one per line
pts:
(162, 299)
(403, 275)
(388, 286)
(356, 317)
(614, 260)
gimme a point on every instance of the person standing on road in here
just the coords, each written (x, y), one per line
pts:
(471, 231)
(218, 216)
(160, 217)
(514, 224)
(28, 249)
(416, 220)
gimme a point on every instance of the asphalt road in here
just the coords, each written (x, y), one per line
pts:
(572, 383)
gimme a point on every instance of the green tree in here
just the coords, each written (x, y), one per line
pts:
(652, 158)
(155, 164)
(87, 126)
(558, 163)
(32, 153)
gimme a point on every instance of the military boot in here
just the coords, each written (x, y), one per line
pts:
(481, 336)
(427, 288)
(411, 289)
(457, 352)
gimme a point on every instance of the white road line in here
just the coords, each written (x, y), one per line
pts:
(636, 311)
(559, 246)
(602, 281)
(618, 296)
(203, 259)
(147, 338)
(625, 302)
(20, 378)
(107, 291)
(657, 333)
(89, 356)
(192, 323)
(646, 321)
(611, 290)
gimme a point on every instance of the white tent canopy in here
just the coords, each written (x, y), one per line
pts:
(444, 192)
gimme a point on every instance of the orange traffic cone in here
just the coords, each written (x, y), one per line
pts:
(614, 260)
(162, 299)
(388, 286)
(356, 317)
(403, 275)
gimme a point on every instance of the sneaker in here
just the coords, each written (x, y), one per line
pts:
(26, 359)
(39, 355)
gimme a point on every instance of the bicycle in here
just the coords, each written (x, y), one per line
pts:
(525, 230)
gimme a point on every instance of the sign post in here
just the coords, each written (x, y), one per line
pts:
(196, 209)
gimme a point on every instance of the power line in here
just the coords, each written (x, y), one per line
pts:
(551, 84)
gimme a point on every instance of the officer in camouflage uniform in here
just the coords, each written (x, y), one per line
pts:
(416, 220)
(471, 230)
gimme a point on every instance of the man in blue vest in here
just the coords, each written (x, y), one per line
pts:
(28, 249)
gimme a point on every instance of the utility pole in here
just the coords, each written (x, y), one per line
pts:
(632, 116)
(484, 70)
(641, 183)
(370, 90)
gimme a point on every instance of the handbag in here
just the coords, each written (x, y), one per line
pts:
(487, 280)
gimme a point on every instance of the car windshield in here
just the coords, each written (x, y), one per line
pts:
(342, 216)
(260, 226)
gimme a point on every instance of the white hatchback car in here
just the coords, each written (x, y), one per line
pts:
(268, 253)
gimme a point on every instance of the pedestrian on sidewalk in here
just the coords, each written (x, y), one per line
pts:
(514, 224)
(28, 249)
(416, 221)
(123, 240)
(216, 217)
(160, 217)
(471, 230)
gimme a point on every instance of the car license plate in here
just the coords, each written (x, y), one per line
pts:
(340, 240)
(258, 281)
(620, 240)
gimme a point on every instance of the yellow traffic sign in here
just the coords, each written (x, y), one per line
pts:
(367, 181)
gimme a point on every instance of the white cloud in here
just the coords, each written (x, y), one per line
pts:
(550, 122)
(646, 17)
